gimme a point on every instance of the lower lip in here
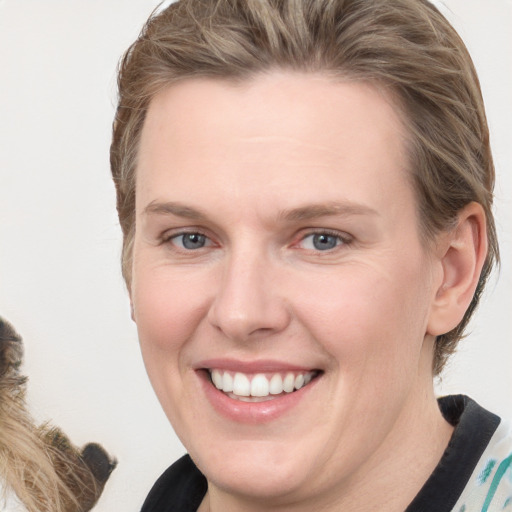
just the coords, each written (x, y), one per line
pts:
(252, 412)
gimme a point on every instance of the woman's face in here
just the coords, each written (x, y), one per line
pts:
(277, 248)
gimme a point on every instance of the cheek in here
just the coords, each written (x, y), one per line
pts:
(168, 308)
(368, 315)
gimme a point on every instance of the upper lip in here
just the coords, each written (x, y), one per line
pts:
(255, 366)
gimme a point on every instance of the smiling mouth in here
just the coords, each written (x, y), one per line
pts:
(260, 387)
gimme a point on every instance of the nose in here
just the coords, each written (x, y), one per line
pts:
(248, 303)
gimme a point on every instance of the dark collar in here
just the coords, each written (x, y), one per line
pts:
(474, 427)
(182, 487)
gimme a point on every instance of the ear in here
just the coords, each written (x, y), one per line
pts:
(461, 252)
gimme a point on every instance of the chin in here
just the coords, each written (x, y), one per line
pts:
(258, 480)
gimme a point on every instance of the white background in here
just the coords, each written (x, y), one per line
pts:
(60, 281)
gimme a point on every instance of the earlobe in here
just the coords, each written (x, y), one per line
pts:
(462, 256)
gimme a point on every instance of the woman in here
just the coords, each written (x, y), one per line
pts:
(305, 193)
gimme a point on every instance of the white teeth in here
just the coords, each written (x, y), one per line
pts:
(217, 379)
(299, 381)
(276, 384)
(259, 385)
(227, 382)
(289, 382)
(241, 385)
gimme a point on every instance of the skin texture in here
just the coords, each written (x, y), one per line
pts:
(257, 167)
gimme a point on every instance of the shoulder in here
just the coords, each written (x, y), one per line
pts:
(182, 487)
(480, 443)
(490, 485)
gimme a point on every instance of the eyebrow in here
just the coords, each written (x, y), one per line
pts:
(308, 212)
(174, 208)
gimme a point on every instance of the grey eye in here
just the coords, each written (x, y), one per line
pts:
(324, 242)
(191, 240)
(320, 241)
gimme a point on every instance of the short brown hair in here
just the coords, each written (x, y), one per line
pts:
(405, 45)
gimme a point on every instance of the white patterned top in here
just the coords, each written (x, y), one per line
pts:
(490, 487)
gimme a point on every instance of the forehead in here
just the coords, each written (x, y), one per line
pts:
(274, 131)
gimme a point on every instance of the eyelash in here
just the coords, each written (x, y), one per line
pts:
(168, 238)
(342, 239)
